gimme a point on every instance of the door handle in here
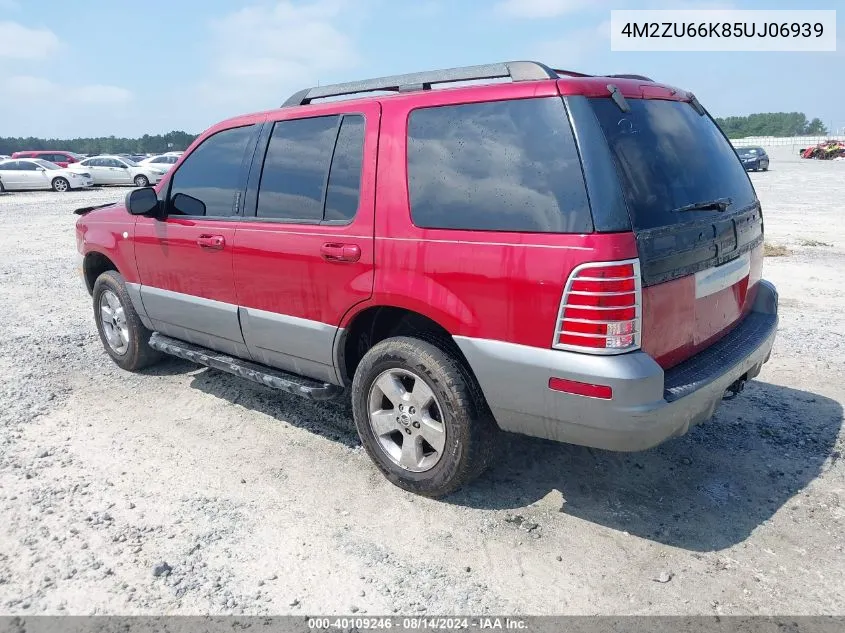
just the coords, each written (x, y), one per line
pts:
(212, 242)
(335, 252)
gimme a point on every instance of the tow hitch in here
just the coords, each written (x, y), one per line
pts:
(735, 389)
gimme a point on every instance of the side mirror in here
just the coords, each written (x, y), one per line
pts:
(142, 201)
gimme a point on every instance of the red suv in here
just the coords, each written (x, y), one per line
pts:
(566, 256)
(62, 159)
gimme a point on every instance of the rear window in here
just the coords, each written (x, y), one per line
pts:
(496, 166)
(668, 156)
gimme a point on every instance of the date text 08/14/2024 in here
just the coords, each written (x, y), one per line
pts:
(417, 623)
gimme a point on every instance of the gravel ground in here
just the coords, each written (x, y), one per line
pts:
(184, 490)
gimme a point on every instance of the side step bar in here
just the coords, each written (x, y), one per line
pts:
(263, 375)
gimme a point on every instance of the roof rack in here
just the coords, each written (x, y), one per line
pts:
(640, 77)
(571, 73)
(517, 71)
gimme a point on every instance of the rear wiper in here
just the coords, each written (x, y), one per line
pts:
(720, 204)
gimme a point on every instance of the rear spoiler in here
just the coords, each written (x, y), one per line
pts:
(85, 210)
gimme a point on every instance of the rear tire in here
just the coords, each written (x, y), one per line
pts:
(421, 416)
(61, 185)
(141, 181)
(123, 335)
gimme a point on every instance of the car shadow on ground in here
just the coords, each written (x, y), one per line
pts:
(705, 491)
(332, 420)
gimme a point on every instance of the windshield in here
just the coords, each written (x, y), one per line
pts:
(129, 161)
(46, 164)
(670, 157)
(749, 151)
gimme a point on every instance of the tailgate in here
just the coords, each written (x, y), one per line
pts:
(697, 221)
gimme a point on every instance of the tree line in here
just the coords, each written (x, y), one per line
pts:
(761, 124)
(147, 144)
(771, 124)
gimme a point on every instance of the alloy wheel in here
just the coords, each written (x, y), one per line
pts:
(113, 320)
(407, 420)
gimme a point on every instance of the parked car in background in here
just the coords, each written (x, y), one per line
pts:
(571, 257)
(4, 157)
(164, 161)
(116, 170)
(60, 158)
(753, 158)
(34, 173)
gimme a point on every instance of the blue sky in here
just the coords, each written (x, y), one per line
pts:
(99, 67)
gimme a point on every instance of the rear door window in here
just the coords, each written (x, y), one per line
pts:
(496, 166)
(312, 170)
(295, 168)
(345, 176)
(668, 157)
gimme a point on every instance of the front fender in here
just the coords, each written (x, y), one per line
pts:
(113, 240)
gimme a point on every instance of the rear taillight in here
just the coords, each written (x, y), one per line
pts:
(601, 309)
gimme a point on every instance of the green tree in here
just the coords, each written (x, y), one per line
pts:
(147, 144)
(816, 128)
(771, 124)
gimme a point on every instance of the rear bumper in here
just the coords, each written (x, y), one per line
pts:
(760, 163)
(648, 405)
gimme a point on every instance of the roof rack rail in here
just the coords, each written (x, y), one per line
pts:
(640, 77)
(571, 73)
(517, 71)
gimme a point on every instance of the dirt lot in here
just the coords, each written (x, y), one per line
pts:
(185, 490)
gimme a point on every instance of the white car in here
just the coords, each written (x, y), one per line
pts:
(116, 170)
(34, 173)
(165, 161)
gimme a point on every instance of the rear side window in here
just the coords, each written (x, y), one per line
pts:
(668, 157)
(208, 180)
(312, 170)
(496, 166)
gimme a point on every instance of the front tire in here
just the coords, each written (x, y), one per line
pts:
(421, 416)
(141, 181)
(61, 185)
(124, 337)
